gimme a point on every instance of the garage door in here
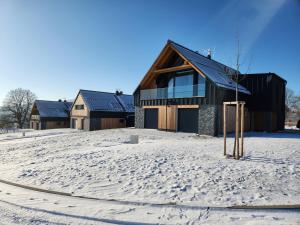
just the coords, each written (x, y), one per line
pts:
(151, 118)
(188, 120)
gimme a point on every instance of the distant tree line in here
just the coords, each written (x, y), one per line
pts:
(16, 108)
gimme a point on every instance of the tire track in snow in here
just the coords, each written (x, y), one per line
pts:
(170, 204)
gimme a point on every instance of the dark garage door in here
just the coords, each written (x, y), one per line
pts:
(151, 118)
(188, 120)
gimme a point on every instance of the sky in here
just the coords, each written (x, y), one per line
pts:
(56, 47)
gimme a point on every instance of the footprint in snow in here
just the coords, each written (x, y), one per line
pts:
(71, 206)
(277, 218)
(258, 216)
(8, 193)
(235, 218)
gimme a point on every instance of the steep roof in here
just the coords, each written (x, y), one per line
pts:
(53, 108)
(105, 101)
(215, 71)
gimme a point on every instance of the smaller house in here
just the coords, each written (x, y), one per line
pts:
(50, 114)
(95, 110)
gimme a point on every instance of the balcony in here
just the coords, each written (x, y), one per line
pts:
(174, 92)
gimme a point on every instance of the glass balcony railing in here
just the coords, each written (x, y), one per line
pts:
(174, 92)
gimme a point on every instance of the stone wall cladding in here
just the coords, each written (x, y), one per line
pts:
(139, 117)
(207, 120)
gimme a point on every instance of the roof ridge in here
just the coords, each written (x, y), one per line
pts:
(106, 92)
(196, 52)
(51, 101)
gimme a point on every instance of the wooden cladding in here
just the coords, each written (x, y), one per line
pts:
(173, 69)
(110, 123)
(167, 115)
(167, 118)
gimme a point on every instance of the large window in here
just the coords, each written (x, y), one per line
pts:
(171, 88)
(181, 84)
(201, 86)
(186, 84)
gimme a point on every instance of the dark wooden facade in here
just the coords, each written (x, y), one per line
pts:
(267, 100)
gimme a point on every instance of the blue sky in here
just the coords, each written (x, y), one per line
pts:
(55, 47)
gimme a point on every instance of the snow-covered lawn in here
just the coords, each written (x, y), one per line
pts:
(164, 167)
(30, 133)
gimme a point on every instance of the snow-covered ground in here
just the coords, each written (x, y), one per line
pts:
(30, 133)
(163, 168)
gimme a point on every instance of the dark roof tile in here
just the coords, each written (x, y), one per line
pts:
(53, 108)
(110, 102)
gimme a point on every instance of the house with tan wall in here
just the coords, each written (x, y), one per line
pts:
(50, 114)
(95, 110)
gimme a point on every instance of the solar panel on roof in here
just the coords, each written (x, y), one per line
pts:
(216, 72)
(52, 108)
(103, 101)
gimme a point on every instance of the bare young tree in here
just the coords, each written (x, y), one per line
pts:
(291, 101)
(18, 104)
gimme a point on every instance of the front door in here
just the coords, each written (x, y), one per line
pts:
(82, 124)
(73, 124)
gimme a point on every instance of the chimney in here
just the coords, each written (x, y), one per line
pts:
(118, 92)
(209, 54)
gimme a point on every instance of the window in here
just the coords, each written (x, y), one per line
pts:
(79, 107)
(171, 88)
(184, 86)
(201, 86)
(181, 85)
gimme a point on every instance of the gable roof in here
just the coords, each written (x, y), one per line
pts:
(105, 101)
(53, 108)
(217, 72)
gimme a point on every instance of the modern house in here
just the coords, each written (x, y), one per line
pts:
(50, 114)
(95, 110)
(184, 91)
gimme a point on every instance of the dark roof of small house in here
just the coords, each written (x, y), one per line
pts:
(105, 101)
(58, 109)
(265, 74)
(215, 71)
(127, 102)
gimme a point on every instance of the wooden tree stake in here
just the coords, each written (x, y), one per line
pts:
(224, 127)
(242, 128)
(237, 118)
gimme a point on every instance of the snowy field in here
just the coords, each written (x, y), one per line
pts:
(165, 167)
